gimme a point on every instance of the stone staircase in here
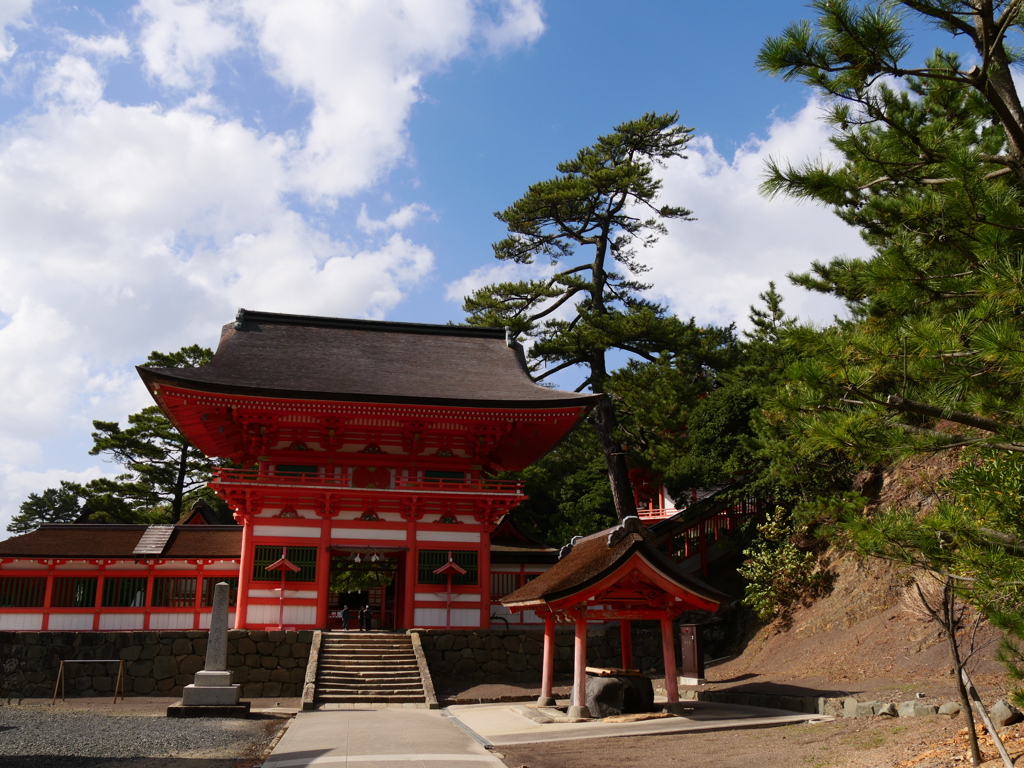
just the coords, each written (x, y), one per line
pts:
(369, 668)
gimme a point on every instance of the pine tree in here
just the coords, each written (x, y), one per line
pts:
(604, 201)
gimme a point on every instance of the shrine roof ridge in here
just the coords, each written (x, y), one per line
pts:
(380, 326)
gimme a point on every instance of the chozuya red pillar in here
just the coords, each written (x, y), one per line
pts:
(579, 678)
(547, 698)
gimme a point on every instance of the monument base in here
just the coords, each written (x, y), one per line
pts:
(211, 695)
(237, 710)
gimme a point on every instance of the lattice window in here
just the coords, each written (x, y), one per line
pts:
(211, 581)
(268, 554)
(73, 592)
(124, 592)
(432, 559)
(503, 584)
(22, 591)
(174, 592)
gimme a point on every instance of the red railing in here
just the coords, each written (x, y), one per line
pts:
(344, 481)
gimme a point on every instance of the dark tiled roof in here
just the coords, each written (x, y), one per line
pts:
(119, 541)
(592, 559)
(275, 355)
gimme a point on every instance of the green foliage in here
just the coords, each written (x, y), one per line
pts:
(779, 573)
(54, 505)
(356, 577)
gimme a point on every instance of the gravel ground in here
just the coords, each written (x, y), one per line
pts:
(37, 737)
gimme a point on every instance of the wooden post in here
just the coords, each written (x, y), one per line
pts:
(626, 635)
(323, 573)
(668, 649)
(579, 678)
(244, 573)
(547, 696)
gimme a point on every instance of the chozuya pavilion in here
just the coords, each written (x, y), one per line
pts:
(349, 441)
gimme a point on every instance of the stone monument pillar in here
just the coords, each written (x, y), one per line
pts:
(213, 694)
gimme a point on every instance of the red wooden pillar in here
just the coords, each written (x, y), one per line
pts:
(668, 649)
(412, 571)
(483, 571)
(197, 602)
(244, 573)
(547, 679)
(99, 598)
(48, 598)
(626, 637)
(149, 595)
(579, 678)
(323, 573)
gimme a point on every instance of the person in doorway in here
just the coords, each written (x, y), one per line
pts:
(364, 618)
(344, 617)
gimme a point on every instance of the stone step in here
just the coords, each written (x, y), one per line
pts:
(385, 690)
(372, 699)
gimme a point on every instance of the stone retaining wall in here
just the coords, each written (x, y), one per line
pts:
(516, 655)
(265, 663)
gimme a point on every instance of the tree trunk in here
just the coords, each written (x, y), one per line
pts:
(950, 626)
(179, 483)
(605, 422)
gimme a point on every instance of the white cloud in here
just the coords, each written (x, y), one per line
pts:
(13, 13)
(182, 39)
(71, 82)
(106, 47)
(399, 219)
(520, 21)
(714, 268)
(362, 64)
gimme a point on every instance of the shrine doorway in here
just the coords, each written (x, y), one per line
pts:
(365, 575)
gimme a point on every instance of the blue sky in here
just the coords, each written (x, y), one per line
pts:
(166, 161)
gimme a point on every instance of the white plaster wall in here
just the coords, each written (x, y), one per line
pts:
(120, 621)
(435, 617)
(70, 622)
(170, 621)
(24, 621)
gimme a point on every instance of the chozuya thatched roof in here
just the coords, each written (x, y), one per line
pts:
(605, 556)
(324, 358)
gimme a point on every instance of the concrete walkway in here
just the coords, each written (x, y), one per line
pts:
(381, 738)
(403, 738)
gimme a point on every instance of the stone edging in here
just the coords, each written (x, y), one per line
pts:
(421, 663)
(309, 684)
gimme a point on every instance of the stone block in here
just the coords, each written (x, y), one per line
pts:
(290, 689)
(200, 643)
(245, 645)
(143, 685)
(491, 642)
(284, 650)
(480, 655)
(916, 708)
(190, 664)
(531, 646)
(517, 662)
(165, 667)
(512, 643)
(444, 643)
(181, 647)
(452, 657)
(210, 696)
(269, 662)
(129, 653)
(474, 641)
(280, 676)
(298, 674)
(252, 660)
(459, 643)
(300, 650)
(465, 666)
(259, 675)
(276, 635)
(1003, 713)
(888, 710)
(236, 660)
(149, 651)
(257, 635)
(951, 708)
(493, 667)
(102, 684)
(166, 685)
(271, 689)
(289, 663)
(252, 690)
(291, 636)
(609, 696)
(265, 648)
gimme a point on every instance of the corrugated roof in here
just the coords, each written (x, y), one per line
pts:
(56, 540)
(275, 355)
